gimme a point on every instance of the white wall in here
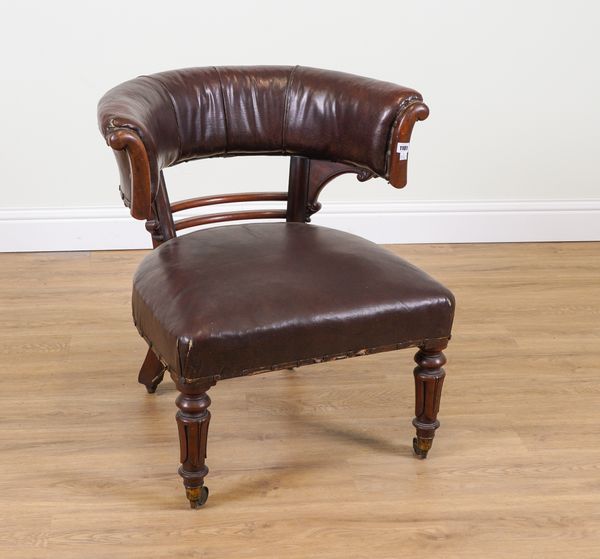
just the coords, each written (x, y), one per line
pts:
(513, 88)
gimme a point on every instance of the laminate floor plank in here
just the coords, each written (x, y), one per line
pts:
(316, 462)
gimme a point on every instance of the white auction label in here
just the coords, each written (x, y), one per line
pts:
(402, 150)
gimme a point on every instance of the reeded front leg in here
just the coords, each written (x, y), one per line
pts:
(429, 378)
(193, 418)
(152, 372)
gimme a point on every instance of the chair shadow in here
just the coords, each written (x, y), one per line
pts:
(360, 438)
(297, 393)
(299, 469)
(297, 466)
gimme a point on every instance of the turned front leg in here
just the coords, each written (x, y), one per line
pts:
(193, 418)
(429, 378)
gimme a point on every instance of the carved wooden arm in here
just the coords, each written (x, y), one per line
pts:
(139, 179)
(412, 110)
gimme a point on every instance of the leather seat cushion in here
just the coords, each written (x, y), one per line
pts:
(228, 301)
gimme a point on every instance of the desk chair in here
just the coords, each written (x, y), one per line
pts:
(241, 299)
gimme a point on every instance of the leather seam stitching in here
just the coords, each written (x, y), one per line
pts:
(286, 107)
(170, 96)
(224, 110)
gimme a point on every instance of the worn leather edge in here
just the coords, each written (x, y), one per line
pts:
(292, 364)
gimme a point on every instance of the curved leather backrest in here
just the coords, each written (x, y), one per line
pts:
(218, 111)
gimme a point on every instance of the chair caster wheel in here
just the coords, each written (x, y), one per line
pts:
(197, 496)
(421, 447)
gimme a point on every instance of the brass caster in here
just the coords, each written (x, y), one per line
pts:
(197, 496)
(421, 447)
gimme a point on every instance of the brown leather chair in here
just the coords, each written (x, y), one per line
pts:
(223, 302)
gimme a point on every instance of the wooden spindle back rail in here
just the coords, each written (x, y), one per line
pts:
(227, 199)
(228, 216)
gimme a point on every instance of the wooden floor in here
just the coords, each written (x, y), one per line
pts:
(316, 462)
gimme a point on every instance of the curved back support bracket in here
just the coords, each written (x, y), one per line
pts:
(307, 178)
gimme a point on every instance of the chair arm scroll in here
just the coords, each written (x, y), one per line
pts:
(413, 110)
(139, 174)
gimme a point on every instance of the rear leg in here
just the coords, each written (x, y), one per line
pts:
(152, 372)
